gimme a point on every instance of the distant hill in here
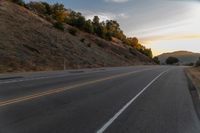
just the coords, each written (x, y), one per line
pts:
(185, 57)
(30, 43)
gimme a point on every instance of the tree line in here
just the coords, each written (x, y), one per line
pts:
(104, 29)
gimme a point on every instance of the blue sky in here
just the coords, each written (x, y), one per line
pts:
(163, 25)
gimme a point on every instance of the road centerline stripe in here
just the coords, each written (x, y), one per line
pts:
(111, 120)
(59, 90)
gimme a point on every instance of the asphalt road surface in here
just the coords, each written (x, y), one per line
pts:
(142, 99)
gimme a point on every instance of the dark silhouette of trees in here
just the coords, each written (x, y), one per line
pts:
(88, 27)
(171, 60)
(59, 26)
(76, 19)
(96, 21)
(48, 10)
(98, 27)
(19, 2)
(37, 7)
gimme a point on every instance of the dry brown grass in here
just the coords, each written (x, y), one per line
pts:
(30, 43)
(194, 74)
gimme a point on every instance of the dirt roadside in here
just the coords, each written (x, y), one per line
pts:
(193, 74)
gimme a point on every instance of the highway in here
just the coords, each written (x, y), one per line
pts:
(136, 99)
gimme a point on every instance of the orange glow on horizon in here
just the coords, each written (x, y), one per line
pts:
(151, 39)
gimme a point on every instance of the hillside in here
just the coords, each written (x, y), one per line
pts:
(30, 43)
(185, 57)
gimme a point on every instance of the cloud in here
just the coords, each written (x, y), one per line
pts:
(33, 1)
(123, 16)
(184, 0)
(117, 1)
(151, 39)
(103, 15)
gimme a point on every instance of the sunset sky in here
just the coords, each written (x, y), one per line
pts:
(163, 25)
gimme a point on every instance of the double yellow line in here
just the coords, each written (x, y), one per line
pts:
(59, 90)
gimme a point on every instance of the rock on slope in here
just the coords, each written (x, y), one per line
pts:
(30, 43)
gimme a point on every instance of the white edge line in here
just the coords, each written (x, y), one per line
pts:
(107, 124)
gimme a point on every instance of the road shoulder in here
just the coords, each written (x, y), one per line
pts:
(193, 76)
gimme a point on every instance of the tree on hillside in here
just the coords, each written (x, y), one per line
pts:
(59, 13)
(133, 42)
(48, 8)
(19, 2)
(96, 21)
(37, 7)
(104, 29)
(171, 60)
(80, 21)
(147, 52)
(101, 30)
(99, 27)
(76, 19)
(113, 29)
(88, 27)
(156, 60)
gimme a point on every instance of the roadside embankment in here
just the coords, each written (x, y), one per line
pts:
(194, 76)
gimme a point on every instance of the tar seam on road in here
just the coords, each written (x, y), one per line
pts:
(34, 78)
(55, 91)
(107, 124)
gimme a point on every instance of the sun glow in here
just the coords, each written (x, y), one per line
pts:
(185, 36)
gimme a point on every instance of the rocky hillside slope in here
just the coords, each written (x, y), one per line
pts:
(30, 43)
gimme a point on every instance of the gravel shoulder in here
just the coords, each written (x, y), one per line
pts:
(194, 76)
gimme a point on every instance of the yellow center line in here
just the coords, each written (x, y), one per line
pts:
(58, 90)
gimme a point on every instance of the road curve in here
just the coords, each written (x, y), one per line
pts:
(142, 99)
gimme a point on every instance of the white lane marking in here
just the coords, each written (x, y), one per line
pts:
(107, 124)
(38, 78)
(59, 90)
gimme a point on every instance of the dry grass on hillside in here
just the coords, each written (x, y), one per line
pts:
(30, 43)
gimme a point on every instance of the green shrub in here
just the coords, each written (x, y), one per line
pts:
(132, 51)
(59, 25)
(189, 64)
(19, 2)
(171, 60)
(156, 60)
(89, 45)
(82, 40)
(198, 63)
(101, 44)
(72, 31)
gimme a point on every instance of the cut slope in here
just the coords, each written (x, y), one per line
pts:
(30, 43)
